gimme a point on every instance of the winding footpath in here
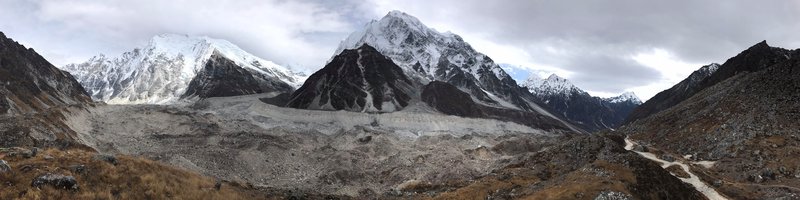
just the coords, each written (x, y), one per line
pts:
(699, 185)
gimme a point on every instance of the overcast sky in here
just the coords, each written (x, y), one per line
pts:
(604, 47)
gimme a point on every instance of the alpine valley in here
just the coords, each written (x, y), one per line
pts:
(399, 111)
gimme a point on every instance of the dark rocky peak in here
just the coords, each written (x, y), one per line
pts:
(758, 57)
(222, 77)
(362, 80)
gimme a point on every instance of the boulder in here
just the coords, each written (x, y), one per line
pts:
(106, 158)
(365, 139)
(4, 167)
(56, 180)
(755, 178)
(768, 174)
(667, 157)
(612, 195)
(77, 168)
(717, 183)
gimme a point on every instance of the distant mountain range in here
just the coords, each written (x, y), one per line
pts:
(174, 67)
(589, 112)
(178, 68)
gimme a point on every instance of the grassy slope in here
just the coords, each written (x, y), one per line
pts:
(131, 178)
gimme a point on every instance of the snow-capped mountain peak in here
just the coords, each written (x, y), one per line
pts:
(161, 71)
(425, 55)
(626, 96)
(196, 50)
(553, 84)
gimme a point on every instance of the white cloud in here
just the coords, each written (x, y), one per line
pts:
(672, 70)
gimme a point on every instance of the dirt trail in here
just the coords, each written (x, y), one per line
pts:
(693, 179)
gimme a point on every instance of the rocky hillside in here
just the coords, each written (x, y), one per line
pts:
(83, 174)
(361, 80)
(222, 77)
(584, 167)
(35, 98)
(755, 58)
(30, 84)
(162, 72)
(448, 99)
(581, 109)
(746, 125)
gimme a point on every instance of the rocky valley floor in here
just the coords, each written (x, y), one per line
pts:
(415, 153)
(343, 153)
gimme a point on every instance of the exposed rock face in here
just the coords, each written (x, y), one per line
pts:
(448, 99)
(360, 80)
(755, 58)
(33, 98)
(28, 83)
(221, 77)
(747, 123)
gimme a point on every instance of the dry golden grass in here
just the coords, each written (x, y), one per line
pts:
(587, 183)
(131, 178)
(483, 187)
(566, 187)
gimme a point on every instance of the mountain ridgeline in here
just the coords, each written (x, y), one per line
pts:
(427, 55)
(588, 112)
(35, 98)
(755, 58)
(172, 68)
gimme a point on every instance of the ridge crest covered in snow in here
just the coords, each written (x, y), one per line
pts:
(626, 96)
(427, 55)
(552, 85)
(160, 72)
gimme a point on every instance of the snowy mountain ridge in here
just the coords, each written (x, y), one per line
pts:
(593, 113)
(160, 72)
(626, 96)
(552, 85)
(427, 55)
(409, 42)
